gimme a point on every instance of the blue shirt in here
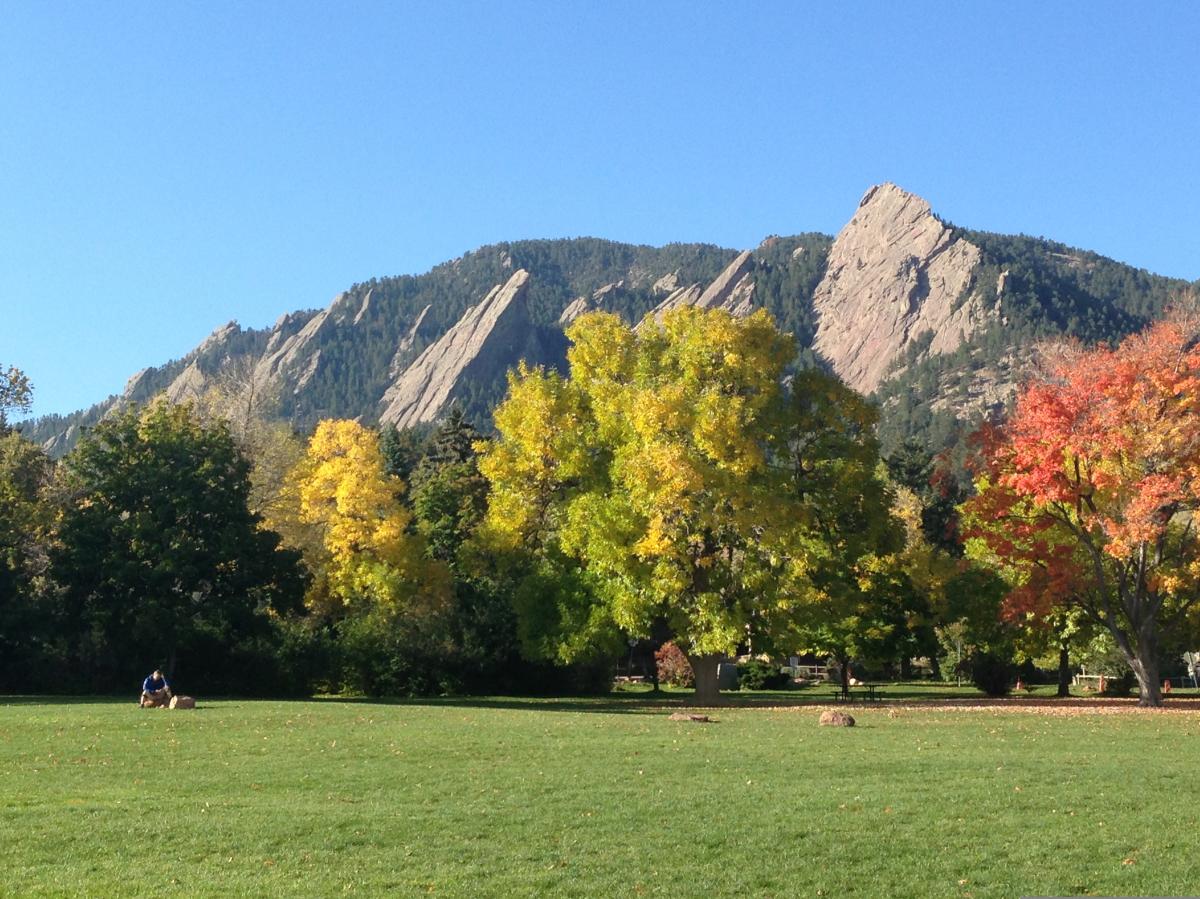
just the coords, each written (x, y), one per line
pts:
(150, 685)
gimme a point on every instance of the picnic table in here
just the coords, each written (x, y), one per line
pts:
(865, 691)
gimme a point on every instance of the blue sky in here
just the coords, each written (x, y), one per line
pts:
(166, 167)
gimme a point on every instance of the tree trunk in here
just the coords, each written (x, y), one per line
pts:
(708, 690)
(1145, 669)
(844, 665)
(1141, 652)
(905, 667)
(1064, 670)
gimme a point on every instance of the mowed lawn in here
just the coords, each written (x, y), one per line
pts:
(592, 798)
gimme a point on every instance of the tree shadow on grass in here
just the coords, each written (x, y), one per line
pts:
(635, 703)
(614, 703)
(50, 699)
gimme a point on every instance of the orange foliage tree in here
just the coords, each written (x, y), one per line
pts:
(1088, 494)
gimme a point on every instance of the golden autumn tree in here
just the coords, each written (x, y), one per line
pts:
(658, 481)
(1090, 490)
(345, 513)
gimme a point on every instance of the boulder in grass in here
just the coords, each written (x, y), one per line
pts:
(182, 702)
(833, 718)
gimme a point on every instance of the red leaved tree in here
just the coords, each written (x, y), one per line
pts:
(1088, 493)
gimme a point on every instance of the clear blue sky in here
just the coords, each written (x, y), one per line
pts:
(166, 167)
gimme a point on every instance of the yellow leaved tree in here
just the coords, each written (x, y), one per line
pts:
(657, 482)
(344, 511)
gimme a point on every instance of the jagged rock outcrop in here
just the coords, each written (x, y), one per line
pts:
(288, 348)
(365, 307)
(491, 336)
(894, 273)
(217, 338)
(582, 305)
(191, 383)
(60, 444)
(666, 284)
(135, 381)
(574, 309)
(406, 350)
(680, 296)
(292, 355)
(733, 290)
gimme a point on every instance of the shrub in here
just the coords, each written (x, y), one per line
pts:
(991, 673)
(756, 674)
(674, 667)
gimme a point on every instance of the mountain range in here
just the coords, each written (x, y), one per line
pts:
(935, 321)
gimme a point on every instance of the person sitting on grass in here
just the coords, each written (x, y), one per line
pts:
(156, 691)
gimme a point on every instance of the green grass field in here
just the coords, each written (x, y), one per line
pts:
(592, 798)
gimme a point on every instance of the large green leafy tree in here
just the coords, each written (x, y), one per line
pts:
(864, 604)
(662, 481)
(159, 559)
(24, 469)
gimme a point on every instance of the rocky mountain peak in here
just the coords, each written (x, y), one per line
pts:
(895, 272)
(491, 335)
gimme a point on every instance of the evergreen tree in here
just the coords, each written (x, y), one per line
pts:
(401, 450)
(449, 495)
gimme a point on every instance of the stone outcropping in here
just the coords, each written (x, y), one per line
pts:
(290, 348)
(491, 336)
(895, 272)
(406, 351)
(581, 305)
(733, 290)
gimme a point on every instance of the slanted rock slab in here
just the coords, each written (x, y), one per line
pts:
(686, 716)
(834, 718)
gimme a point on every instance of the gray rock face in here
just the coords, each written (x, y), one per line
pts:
(490, 335)
(894, 273)
(365, 307)
(190, 385)
(733, 290)
(60, 444)
(574, 309)
(289, 351)
(666, 284)
(582, 305)
(406, 352)
(193, 381)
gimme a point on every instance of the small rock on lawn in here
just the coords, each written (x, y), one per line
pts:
(836, 719)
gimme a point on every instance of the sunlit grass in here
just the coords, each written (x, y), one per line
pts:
(591, 798)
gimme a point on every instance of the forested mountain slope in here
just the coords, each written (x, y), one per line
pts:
(936, 321)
